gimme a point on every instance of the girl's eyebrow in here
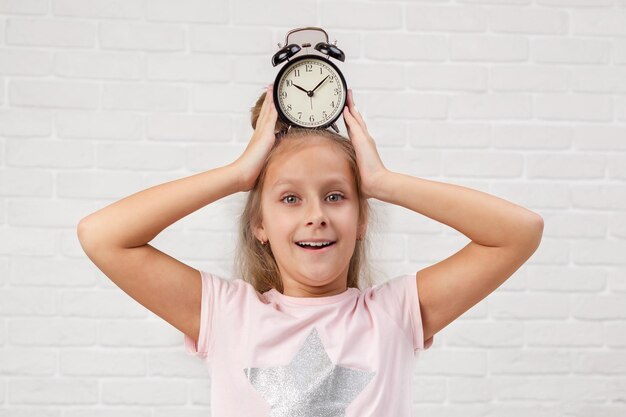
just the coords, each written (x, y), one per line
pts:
(336, 180)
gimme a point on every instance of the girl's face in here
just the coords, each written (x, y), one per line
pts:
(309, 198)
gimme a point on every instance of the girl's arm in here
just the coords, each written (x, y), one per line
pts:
(116, 237)
(503, 235)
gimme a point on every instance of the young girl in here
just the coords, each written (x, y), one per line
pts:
(297, 334)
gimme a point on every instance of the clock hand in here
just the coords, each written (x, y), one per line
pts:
(320, 83)
(300, 88)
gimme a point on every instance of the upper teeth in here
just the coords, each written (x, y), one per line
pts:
(314, 243)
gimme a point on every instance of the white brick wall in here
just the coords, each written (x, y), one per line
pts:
(524, 99)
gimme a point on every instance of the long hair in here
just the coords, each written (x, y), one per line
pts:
(255, 263)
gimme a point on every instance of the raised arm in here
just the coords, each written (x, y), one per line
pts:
(503, 235)
(116, 237)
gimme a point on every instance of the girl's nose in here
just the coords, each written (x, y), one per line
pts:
(316, 216)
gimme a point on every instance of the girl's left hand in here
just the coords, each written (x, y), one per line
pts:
(371, 168)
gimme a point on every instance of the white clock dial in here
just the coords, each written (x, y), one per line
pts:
(311, 93)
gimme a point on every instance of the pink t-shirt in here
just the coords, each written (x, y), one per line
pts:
(271, 355)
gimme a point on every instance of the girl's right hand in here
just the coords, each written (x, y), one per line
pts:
(249, 164)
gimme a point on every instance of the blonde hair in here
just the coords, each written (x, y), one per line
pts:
(255, 263)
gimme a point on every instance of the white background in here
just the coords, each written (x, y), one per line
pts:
(523, 99)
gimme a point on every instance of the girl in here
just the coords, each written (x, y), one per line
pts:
(298, 334)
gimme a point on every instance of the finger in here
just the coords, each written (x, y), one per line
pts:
(354, 110)
(266, 107)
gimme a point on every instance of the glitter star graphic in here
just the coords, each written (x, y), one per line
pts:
(311, 385)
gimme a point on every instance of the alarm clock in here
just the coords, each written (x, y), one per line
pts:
(309, 90)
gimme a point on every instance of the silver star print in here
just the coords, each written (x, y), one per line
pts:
(311, 385)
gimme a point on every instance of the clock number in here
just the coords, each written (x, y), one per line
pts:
(299, 115)
(289, 107)
(311, 118)
(308, 67)
(283, 94)
(332, 104)
(296, 72)
(336, 91)
(288, 83)
(324, 115)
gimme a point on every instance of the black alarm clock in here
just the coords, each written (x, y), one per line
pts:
(309, 91)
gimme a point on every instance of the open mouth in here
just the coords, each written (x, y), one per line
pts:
(315, 245)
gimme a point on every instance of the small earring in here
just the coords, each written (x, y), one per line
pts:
(263, 242)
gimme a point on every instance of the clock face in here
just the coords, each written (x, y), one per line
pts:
(310, 92)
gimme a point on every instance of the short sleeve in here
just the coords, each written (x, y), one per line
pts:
(201, 348)
(217, 292)
(400, 300)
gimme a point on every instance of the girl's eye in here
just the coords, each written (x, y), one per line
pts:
(335, 197)
(290, 199)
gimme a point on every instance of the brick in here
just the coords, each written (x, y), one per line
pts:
(25, 122)
(107, 303)
(531, 136)
(551, 388)
(145, 96)
(477, 164)
(98, 363)
(372, 16)
(491, 48)
(599, 138)
(528, 78)
(599, 80)
(98, 125)
(598, 306)
(188, 11)
(570, 51)
(53, 331)
(445, 18)
(575, 279)
(51, 32)
(27, 302)
(527, 306)
(568, 335)
(97, 185)
(599, 22)
(25, 182)
(273, 13)
(193, 68)
(51, 154)
(533, 21)
(152, 392)
(14, 61)
(405, 47)
(54, 94)
(48, 391)
(447, 77)
(123, 333)
(37, 362)
(30, 242)
(491, 106)
(575, 3)
(577, 166)
(475, 334)
(98, 65)
(106, 9)
(588, 107)
(29, 7)
(405, 105)
(186, 127)
(141, 36)
(57, 273)
(241, 40)
(605, 363)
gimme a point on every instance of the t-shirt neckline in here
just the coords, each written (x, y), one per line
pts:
(313, 300)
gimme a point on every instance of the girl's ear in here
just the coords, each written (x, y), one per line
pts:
(259, 233)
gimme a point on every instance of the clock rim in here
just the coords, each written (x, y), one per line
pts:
(279, 109)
